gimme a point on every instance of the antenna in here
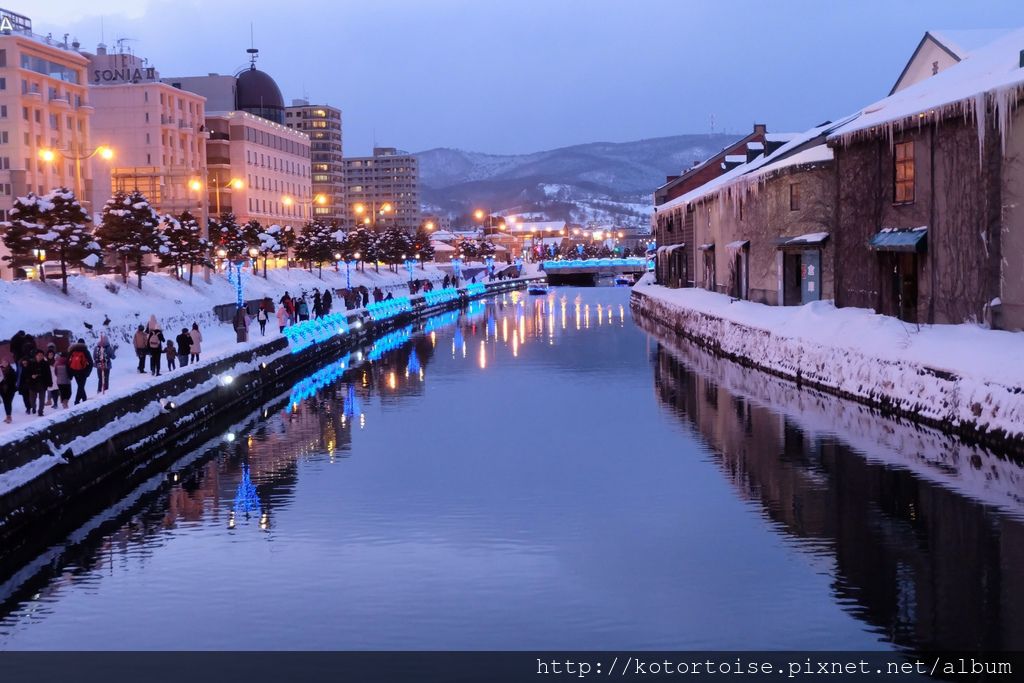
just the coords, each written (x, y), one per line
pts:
(253, 52)
(712, 123)
(103, 35)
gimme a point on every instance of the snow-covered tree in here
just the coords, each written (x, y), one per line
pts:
(270, 242)
(317, 243)
(360, 241)
(129, 227)
(182, 244)
(422, 246)
(485, 248)
(394, 247)
(65, 232)
(226, 234)
(21, 231)
(468, 249)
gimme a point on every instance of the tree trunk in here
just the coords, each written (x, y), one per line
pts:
(138, 271)
(264, 266)
(63, 273)
(124, 271)
(191, 267)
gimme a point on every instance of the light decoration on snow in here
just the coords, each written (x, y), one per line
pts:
(307, 387)
(410, 266)
(382, 310)
(305, 333)
(631, 262)
(489, 260)
(237, 277)
(227, 380)
(457, 267)
(389, 342)
(247, 499)
(476, 289)
(440, 296)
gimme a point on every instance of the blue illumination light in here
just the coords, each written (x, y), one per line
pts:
(307, 387)
(305, 333)
(382, 310)
(389, 342)
(414, 362)
(476, 289)
(436, 322)
(592, 263)
(440, 296)
(352, 407)
(246, 497)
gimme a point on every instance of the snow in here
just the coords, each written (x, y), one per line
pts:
(989, 76)
(735, 158)
(965, 41)
(809, 238)
(956, 374)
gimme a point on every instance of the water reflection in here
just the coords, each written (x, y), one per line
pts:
(905, 516)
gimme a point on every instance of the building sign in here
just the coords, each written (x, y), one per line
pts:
(128, 74)
(810, 276)
(12, 21)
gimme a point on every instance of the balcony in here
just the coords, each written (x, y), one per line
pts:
(61, 102)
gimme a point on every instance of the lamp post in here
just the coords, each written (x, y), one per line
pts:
(457, 267)
(39, 255)
(371, 217)
(410, 266)
(289, 201)
(78, 155)
(233, 184)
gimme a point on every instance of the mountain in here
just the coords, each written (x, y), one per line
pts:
(602, 182)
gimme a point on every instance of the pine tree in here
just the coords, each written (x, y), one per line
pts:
(130, 228)
(360, 241)
(468, 249)
(269, 242)
(316, 244)
(65, 232)
(22, 230)
(394, 247)
(227, 235)
(422, 247)
(183, 244)
(485, 248)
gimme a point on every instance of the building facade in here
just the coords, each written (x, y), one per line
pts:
(258, 169)
(383, 190)
(45, 117)
(157, 133)
(322, 123)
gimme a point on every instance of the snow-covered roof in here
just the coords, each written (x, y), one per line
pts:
(989, 75)
(964, 41)
(756, 146)
(442, 236)
(537, 226)
(780, 137)
(441, 246)
(735, 158)
(760, 166)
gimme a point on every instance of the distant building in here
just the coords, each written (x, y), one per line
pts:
(46, 116)
(157, 133)
(383, 190)
(251, 90)
(322, 123)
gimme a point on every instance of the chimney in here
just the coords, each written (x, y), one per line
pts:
(101, 49)
(760, 129)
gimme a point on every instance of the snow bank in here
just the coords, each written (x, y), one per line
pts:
(960, 377)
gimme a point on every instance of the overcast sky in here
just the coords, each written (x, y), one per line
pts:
(526, 75)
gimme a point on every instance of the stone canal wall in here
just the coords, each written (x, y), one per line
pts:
(980, 411)
(46, 468)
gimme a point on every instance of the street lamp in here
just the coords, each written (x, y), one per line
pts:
(49, 155)
(233, 184)
(370, 217)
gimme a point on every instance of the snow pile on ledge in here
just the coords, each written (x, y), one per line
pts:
(955, 375)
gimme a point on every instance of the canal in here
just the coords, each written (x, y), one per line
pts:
(543, 472)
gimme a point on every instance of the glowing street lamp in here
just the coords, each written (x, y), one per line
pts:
(49, 156)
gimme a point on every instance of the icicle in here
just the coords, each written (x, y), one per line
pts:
(980, 107)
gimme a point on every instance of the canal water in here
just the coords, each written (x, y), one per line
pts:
(544, 472)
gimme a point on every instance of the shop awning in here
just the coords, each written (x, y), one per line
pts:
(669, 249)
(707, 247)
(911, 240)
(811, 239)
(737, 245)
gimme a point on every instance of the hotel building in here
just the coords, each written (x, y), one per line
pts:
(382, 191)
(322, 123)
(157, 133)
(44, 116)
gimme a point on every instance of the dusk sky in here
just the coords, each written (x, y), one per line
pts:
(526, 75)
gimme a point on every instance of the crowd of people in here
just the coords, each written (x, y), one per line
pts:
(45, 378)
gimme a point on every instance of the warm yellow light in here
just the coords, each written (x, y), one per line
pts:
(321, 199)
(254, 252)
(575, 231)
(429, 225)
(222, 252)
(356, 256)
(106, 153)
(286, 200)
(621, 234)
(238, 183)
(359, 209)
(561, 232)
(479, 214)
(597, 234)
(512, 219)
(385, 208)
(366, 221)
(195, 185)
(47, 155)
(337, 256)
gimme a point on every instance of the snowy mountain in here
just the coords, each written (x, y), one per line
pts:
(595, 182)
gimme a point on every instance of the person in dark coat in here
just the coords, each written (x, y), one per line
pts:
(17, 343)
(103, 358)
(365, 295)
(62, 375)
(24, 388)
(327, 302)
(318, 309)
(241, 325)
(79, 367)
(8, 386)
(184, 341)
(154, 345)
(39, 379)
(445, 282)
(29, 347)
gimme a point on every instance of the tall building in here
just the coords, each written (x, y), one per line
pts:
(257, 167)
(322, 123)
(383, 190)
(156, 131)
(45, 117)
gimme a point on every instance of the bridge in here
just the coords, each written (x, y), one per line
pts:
(586, 271)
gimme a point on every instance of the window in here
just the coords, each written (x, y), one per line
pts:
(903, 176)
(794, 196)
(3, 84)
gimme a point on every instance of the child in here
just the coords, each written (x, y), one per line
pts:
(172, 354)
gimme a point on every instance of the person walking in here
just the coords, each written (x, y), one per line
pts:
(79, 367)
(39, 379)
(21, 367)
(289, 305)
(141, 343)
(184, 342)
(302, 308)
(8, 387)
(62, 374)
(261, 317)
(317, 304)
(154, 345)
(16, 343)
(241, 325)
(52, 392)
(327, 301)
(102, 357)
(171, 353)
(197, 343)
(282, 318)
